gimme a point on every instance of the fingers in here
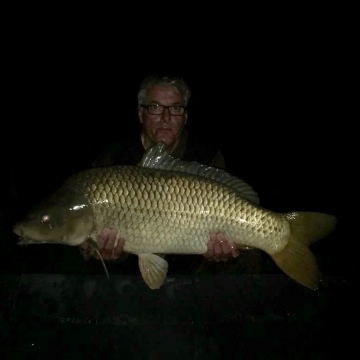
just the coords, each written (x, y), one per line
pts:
(106, 239)
(85, 250)
(109, 246)
(85, 246)
(119, 248)
(233, 249)
(220, 249)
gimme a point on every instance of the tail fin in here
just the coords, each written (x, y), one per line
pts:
(296, 259)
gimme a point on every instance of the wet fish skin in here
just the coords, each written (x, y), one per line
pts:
(168, 206)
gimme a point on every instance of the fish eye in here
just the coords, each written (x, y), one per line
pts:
(45, 218)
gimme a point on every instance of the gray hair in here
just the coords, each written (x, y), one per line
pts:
(175, 81)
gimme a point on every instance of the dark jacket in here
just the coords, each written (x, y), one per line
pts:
(129, 151)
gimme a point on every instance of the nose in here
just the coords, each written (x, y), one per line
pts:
(166, 115)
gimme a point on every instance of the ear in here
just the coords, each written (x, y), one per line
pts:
(140, 115)
(185, 117)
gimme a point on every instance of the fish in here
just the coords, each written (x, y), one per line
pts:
(165, 205)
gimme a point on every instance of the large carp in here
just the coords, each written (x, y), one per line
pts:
(165, 205)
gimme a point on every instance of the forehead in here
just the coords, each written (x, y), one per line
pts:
(161, 93)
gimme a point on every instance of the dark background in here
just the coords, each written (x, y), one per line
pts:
(278, 113)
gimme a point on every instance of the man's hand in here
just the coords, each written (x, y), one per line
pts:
(109, 247)
(220, 249)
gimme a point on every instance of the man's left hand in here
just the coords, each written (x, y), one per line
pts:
(220, 249)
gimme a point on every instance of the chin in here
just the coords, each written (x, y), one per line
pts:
(167, 140)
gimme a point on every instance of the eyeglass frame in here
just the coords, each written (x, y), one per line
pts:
(164, 107)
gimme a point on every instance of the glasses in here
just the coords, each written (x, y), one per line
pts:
(157, 109)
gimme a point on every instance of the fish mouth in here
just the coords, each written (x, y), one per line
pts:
(23, 239)
(26, 241)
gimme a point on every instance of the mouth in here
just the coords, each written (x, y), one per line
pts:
(165, 130)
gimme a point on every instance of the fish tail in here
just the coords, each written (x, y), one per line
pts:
(296, 259)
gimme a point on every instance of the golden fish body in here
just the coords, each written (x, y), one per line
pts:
(168, 212)
(165, 205)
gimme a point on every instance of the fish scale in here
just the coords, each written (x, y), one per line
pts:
(168, 212)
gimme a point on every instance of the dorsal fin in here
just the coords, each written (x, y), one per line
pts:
(157, 157)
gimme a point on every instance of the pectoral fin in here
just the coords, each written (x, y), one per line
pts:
(153, 269)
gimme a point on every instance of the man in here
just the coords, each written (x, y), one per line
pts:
(162, 111)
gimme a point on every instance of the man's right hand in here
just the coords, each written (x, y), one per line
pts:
(109, 247)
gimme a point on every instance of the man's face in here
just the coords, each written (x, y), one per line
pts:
(165, 127)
